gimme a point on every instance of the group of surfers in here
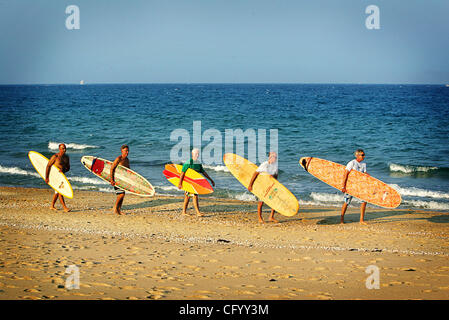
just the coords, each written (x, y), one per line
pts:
(62, 162)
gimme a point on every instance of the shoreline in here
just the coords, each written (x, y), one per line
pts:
(307, 256)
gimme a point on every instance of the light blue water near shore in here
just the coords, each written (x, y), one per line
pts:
(404, 130)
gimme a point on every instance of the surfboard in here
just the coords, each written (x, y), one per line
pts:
(125, 178)
(359, 184)
(265, 187)
(57, 180)
(193, 181)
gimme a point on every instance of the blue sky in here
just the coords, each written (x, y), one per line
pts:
(224, 41)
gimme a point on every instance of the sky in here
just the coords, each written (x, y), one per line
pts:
(224, 41)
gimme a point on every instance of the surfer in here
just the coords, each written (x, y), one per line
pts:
(355, 164)
(193, 164)
(123, 161)
(270, 167)
(62, 162)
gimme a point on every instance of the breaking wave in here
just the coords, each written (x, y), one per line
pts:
(73, 146)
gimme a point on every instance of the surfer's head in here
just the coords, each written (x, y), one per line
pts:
(359, 154)
(125, 150)
(272, 157)
(62, 148)
(195, 153)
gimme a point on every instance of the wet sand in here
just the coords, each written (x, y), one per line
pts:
(152, 252)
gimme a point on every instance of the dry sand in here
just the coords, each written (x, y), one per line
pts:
(153, 252)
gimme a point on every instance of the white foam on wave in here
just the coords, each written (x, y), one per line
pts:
(327, 197)
(410, 169)
(108, 190)
(245, 197)
(73, 146)
(417, 192)
(167, 188)
(217, 168)
(432, 205)
(18, 171)
(87, 180)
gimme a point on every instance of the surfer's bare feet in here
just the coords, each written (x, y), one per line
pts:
(261, 221)
(184, 214)
(67, 209)
(342, 222)
(273, 220)
(53, 208)
(364, 223)
(199, 215)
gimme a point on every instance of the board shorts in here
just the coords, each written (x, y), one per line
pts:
(118, 191)
(348, 199)
(188, 194)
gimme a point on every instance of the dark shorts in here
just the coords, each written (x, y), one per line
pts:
(118, 191)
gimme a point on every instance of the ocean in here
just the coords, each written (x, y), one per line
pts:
(403, 129)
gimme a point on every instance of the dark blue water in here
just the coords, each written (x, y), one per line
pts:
(404, 130)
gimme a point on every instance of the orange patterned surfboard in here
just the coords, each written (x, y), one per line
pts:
(359, 185)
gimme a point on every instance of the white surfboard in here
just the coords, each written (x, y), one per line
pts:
(57, 180)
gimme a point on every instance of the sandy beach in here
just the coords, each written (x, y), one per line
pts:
(152, 252)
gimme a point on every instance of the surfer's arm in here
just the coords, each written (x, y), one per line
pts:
(113, 166)
(207, 176)
(253, 178)
(47, 170)
(181, 178)
(67, 167)
(345, 179)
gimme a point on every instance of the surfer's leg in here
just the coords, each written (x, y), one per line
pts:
(61, 198)
(119, 201)
(196, 205)
(347, 200)
(271, 218)
(53, 201)
(186, 203)
(259, 211)
(362, 212)
(343, 211)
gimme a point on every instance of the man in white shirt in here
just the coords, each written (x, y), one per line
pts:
(270, 167)
(357, 165)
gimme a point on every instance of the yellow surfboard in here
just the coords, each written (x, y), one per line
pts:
(57, 180)
(265, 187)
(359, 185)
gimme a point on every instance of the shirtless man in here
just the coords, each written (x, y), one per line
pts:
(123, 161)
(61, 161)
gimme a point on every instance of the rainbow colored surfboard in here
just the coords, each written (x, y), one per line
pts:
(193, 181)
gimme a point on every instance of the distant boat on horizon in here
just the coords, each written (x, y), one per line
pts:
(81, 82)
